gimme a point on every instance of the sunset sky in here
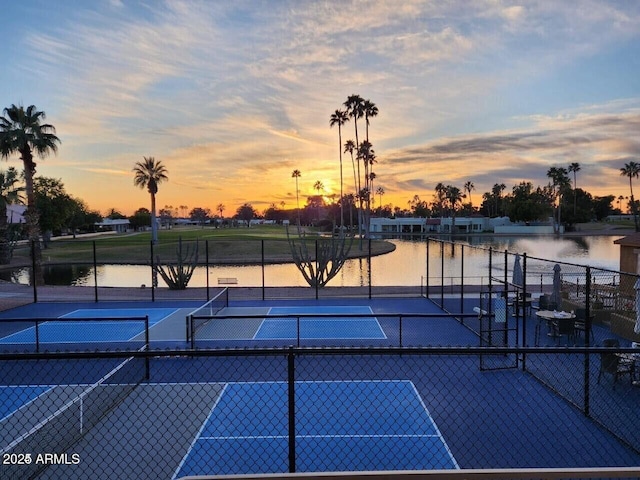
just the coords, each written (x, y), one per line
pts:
(232, 96)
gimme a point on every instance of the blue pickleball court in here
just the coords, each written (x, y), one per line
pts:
(331, 325)
(342, 426)
(15, 397)
(91, 331)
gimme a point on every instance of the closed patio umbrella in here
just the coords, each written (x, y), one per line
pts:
(516, 278)
(556, 297)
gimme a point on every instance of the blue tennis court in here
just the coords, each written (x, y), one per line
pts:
(15, 397)
(333, 326)
(343, 425)
(90, 331)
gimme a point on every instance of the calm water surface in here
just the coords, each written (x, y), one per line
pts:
(406, 266)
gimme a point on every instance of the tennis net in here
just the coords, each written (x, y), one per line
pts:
(46, 427)
(202, 315)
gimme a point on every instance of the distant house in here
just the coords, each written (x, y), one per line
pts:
(119, 225)
(15, 213)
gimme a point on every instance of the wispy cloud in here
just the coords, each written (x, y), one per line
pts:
(232, 96)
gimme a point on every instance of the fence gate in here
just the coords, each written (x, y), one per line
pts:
(497, 329)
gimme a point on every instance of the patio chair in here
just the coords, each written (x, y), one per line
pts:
(615, 364)
(565, 326)
(580, 324)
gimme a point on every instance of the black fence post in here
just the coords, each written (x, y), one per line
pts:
(400, 330)
(95, 273)
(369, 268)
(153, 275)
(292, 409)
(262, 264)
(317, 276)
(427, 279)
(587, 334)
(441, 274)
(462, 281)
(33, 271)
(206, 262)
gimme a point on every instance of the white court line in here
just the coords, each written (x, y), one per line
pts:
(197, 437)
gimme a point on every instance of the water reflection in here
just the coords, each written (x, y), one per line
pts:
(406, 266)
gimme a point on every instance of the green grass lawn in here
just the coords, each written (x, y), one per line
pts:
(224, 245)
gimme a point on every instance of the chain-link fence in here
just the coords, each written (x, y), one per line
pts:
(597, 299)
(168, 414)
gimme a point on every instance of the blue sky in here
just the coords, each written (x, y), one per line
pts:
(233, 96)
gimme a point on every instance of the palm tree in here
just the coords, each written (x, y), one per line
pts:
(150, 173)
(620, 198)
(468, 186)
(632, 170)
(454, 196)
(370, 110)
(372, 177)
(9, 194)
(339, 117)
(318, 186)
(350, 146)
(380, 192)
(22, 131)
(497, 190)
(439, 197)
(355, 109)
(575, 168)
(560, 181)
(296, 174)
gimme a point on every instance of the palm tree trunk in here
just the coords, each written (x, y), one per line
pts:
(154, 226)
(32, 219)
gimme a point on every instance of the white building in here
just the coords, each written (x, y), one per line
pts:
(119, 225)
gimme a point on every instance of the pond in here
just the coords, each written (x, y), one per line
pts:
(406, 266)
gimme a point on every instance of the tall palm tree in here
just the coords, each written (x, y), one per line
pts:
(370, 110)
(22, 132)
(575, 168)
(560, 181)
(468, 186)
(296, 174)
(339, 118)
(632, 170)
(355, 109)
(150, 173)
(10, 193)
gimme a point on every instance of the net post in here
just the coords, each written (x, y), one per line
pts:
(193, 334)
(400, 330)
(147, 366)
(37, 336)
